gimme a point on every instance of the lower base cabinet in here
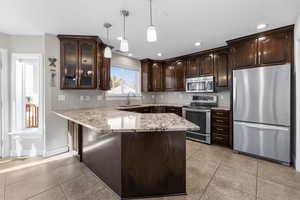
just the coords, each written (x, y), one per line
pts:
(220, 128)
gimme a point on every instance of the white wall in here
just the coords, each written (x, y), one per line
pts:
(297, 67)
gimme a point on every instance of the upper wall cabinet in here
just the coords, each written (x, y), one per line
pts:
(274, 48)
(221, 71)
(174, 75)
(180, 66)
(268, 48)
(146, 75)
(82, 64)
(192, 67)
(157, 76)
(245, 53)
(207, 64)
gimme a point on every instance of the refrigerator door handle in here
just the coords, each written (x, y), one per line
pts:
(234, 92)
(263, 126)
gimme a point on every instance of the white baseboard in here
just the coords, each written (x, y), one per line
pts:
(56, 151)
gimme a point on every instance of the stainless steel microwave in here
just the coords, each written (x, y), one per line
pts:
(200, 84)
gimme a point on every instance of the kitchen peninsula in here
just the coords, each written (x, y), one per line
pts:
(135, 154)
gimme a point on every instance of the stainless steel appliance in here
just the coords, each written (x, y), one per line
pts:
(261, 112)
(200, 84)
(199, 112)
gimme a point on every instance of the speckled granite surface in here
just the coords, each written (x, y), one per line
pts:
(113, 120)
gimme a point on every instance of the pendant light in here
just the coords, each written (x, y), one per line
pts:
(124, 47)
(151, 30)
(107, 50)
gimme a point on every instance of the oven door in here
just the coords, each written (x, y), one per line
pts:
(200, 117)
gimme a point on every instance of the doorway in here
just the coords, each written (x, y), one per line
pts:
(26, 135)
(4, 122)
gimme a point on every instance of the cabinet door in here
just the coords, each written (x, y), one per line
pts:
(206, 64)
(179, 75)
(105, 74)
(87, 64)
(274, 49)
(145, 76)
(192, 67)
(170, 77)
(69, 64)
(156, 74)
(245, 53)
(221, 68)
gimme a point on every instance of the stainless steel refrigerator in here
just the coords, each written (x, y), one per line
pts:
(261, 112)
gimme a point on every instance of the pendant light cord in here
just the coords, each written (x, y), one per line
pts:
(107, 35)
(151, 24)
(124, 27)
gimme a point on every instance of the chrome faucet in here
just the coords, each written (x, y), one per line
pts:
(128, 97)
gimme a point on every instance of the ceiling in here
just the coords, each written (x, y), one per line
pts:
(180, 23)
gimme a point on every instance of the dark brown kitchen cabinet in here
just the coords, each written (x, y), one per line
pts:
(179, 74)
(206, 64)
(192, 67)
(157, 76)
(245, 53)
(274, 48)
(83, 65)
(170, 76)
(220, 127)
(69, 63)
(221, 68)
(87, 74)
(146, 75)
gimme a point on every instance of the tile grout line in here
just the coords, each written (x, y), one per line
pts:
(210, 180)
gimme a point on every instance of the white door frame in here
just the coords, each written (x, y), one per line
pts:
(14, 57)
(4, 101)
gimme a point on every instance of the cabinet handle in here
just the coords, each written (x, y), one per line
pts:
(220, 129)
(219, 121)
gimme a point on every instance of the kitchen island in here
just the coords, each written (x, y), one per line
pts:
(136, 155)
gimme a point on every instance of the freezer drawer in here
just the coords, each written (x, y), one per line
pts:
(263, 140)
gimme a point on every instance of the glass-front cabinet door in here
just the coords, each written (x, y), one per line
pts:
(69, 64)
(87, 64)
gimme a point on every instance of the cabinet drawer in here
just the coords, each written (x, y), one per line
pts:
(220, 114)
(220, 139)
(221, 130)
(220, 121)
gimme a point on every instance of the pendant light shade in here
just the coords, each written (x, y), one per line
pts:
(151, 30)
(107, 50)
(151, 34)
(124, 46)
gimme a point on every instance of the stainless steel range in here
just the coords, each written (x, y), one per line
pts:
(199, 112)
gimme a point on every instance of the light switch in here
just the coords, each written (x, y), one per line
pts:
(87, 98)
(61, 97)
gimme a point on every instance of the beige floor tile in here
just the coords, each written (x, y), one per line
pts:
(68, 172)
(100, 194)
(185, 197)
(30, 187)
(1, 194)
(199, 174)
(270, 190)
(223, 193)
(81, 187)
(280, 174)
(191, 148)
(242, 163)
(55, 193)
(228, 177)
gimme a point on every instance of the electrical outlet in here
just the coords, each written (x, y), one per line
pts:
(153, 96)
(61, 97)
(81, 98)
(222, 97)
(87, 98)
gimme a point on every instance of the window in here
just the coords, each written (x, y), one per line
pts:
(124, 81)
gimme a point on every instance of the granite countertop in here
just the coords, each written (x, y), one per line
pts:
(110, 119)
(149, 105)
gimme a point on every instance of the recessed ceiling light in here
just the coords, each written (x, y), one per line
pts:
(130, 54)
(261, 26)
(159, 54)
(197, 44)
(119, 38)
